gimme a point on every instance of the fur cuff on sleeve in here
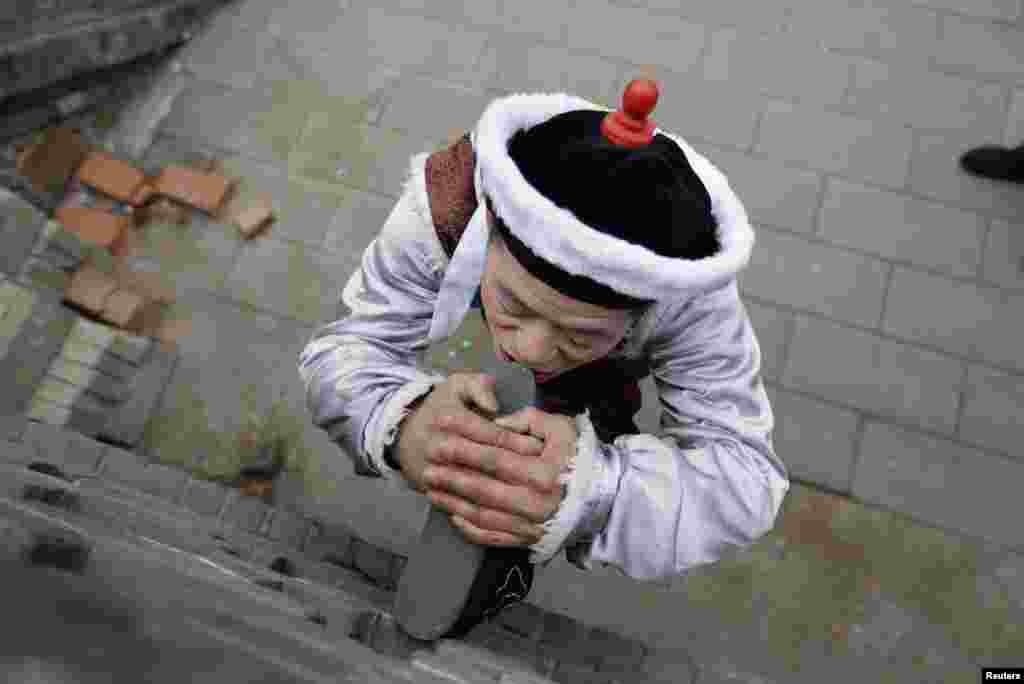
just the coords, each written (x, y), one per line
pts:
(393, 413)
(586, 502)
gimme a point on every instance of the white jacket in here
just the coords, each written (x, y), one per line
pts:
(653, 505)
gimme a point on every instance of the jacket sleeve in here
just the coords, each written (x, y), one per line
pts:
(361, 372)
(657, 505)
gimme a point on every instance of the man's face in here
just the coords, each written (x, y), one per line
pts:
(537, 326)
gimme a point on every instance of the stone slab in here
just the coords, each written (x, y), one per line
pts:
(856, 148)
(815, 440)
(993, 405)
(31, 352)
(772, 327)
(204, 497)
(915, 474)
(902, 228)
(288, 528)
(246, 512)
(145, 387)
(1004, 255)
(879, 376)
(695, 109)
(75, 454)
(983, 49)
(128, 468)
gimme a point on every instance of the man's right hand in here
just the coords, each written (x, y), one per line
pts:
(443, 421)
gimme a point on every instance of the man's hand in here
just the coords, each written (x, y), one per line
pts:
(502, 498)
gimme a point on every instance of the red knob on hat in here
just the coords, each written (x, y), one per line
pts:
(630, 126)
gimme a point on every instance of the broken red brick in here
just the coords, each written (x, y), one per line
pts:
(204, 191)
(170, 331)
(255, 218)
(93, 225)
(125, 243)
(111, 176)
(89, 288)
(125, 310)
(50, 163)
(149, 285)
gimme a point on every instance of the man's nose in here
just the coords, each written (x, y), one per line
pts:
(538, 344)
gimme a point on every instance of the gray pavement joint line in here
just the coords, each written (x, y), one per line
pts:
(876, 417)
(961, 400)
(881, 334)
(858, 442)
(986, 238)
(817, 217)
(890, 271)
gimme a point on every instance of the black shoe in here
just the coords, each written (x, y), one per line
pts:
(505, 577)
(997, 163)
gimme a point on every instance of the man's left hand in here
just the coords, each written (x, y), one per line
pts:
(504, 503)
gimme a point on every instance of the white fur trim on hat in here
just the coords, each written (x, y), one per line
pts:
(558, 237)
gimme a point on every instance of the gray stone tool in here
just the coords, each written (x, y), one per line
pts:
(435, 585)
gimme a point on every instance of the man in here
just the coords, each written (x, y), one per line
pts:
(599, 250)
(995, 162)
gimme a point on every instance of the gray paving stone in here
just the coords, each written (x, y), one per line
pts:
(231, 54)
(453, 107)
(330, 541)
(772, 328)
(246, 512)
(375, 562)
(982, 48)
(75, 454)
(787, 269)
(935, 173)
(132, 470)
(302, 209)
(217, 115)
(1004, 255)
(916, 97)
(43, 274)
(357, 221)
(29, 354)
(402, 41)
(524, 619)
(290, 279)
(978, 322)
(880, 376)
(487, 13)
(512, 63)
(288, 528)
(639, 37)
(814, 439)
(895, 32)
(993, 405)
(774, 64)
(772, 193)
(145, 388)
(765, 17)
(16, 452)
(1007, 10)
(501, 646)
(914, 474)
(204, 496)
(12, 428)
(902, 228)
(88, 421)
(1014, 133)
(537, 18)
(858, 148)
(693, 108)
(20, 224)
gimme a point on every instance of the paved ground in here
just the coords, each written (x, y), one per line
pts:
(887, 287)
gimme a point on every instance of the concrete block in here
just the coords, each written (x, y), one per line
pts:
(32, 350)
(924, 99)
(132, 470)
(936, 174)
(40, 273)
(961, 318)
(204, 497)
(916, 474)
(902, 228)
(882, 377)
(288, 528)
(144, 388)
(983, 49)
(789, 270)
(771, 326)
(773, 64)
(993, 405)
(330, 542)
(12, 428)
(73, 453)
(87, 421)
(1004, 255)
(773, 193)
(814, 439)
(376, 563)
(246, 512)
(857, 148)
(639, 37)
